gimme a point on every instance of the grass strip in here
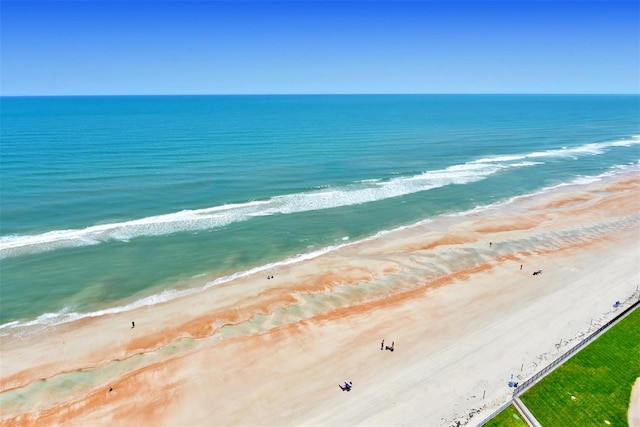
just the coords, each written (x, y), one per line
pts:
(509, 417)
(593, 387)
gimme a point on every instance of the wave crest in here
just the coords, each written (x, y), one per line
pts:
(320, 198)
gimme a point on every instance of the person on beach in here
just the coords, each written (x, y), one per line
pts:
(382, 345)
(346, 387)
(133, 325)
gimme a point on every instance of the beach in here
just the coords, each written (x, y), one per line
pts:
(456, 296)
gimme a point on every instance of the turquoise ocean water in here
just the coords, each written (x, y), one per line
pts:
(108, 203)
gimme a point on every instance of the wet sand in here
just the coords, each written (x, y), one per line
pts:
(450, 293)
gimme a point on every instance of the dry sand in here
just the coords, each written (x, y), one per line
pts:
(463, 315)
(633, 416)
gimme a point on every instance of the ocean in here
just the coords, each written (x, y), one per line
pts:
(110, 203)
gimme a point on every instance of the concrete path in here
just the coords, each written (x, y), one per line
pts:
(524, 411)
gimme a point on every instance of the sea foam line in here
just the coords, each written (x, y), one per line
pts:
(318, 199)
(64, 316)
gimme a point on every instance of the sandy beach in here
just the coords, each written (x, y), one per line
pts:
(456, 296)
(634, 405)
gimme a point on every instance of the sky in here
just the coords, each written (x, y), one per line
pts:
(313, 47)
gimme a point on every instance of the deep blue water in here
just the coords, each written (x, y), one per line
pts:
(106, 200)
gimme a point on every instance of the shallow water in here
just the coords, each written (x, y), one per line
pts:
(112, 202)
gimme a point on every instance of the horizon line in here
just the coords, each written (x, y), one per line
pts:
(324, 94)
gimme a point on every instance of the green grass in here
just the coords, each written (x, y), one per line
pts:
(594, 385)
(510, 417)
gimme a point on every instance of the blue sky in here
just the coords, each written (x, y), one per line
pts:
(265, 47)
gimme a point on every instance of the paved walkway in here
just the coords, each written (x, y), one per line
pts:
(524, 411)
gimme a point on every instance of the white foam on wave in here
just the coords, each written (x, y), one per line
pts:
(288, 261)
(594, 148)
(220, 216)
(583, 180)
(320, 198)
(9, 324)
(505, 158)
(65, 316)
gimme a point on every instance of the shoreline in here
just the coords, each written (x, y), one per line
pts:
(450, 293)
(183, 289)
